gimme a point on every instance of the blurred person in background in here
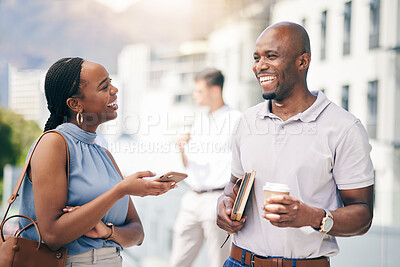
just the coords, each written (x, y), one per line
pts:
(92, 213)
(206, 157)
(299, 138)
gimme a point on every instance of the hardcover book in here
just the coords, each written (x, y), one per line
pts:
(243, 195)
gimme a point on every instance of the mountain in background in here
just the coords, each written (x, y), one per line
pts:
(34, 34)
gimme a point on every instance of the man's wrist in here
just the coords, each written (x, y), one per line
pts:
(229, 193)
(317, 219)
(233, 179)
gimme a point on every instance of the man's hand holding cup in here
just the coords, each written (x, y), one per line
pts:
(274, 200)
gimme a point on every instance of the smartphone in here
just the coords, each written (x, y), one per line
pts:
(171, 177)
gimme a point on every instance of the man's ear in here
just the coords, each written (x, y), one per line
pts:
(216, 89)
(74, 104)
(304, 61)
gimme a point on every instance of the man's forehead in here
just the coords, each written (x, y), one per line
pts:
(268, 41)
(275, 32)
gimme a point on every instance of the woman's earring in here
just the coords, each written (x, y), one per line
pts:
(79, 118)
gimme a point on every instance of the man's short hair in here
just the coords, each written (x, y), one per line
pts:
(211, 76)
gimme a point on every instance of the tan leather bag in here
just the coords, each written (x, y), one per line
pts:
(16, 251)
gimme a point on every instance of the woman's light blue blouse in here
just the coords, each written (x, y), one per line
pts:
(91, 174)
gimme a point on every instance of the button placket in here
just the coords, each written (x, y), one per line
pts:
(280, 134)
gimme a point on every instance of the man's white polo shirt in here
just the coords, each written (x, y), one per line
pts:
(316, 152)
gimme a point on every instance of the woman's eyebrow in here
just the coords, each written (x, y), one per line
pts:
(103, 81)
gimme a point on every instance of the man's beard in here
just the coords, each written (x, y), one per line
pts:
(269, 96)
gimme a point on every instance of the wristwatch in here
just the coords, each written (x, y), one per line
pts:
(327, 222)
(111, 226)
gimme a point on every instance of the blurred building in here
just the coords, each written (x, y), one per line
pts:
(162, 76)
(356, 61)
(156, 84)
(166, 108)
(4, 73)
(26, 94)
(231, 48)
(133, 63)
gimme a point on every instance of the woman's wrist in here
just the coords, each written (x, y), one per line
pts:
(119, 189)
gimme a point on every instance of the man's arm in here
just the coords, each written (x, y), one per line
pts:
(354, 218)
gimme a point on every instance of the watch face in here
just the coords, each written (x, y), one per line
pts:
(328, 224)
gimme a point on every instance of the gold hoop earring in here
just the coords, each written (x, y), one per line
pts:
(79, 118)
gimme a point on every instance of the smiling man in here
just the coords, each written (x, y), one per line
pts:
(299, 138)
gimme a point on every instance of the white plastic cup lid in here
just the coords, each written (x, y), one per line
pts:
(276, 187)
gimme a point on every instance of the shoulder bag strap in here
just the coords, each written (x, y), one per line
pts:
(25, 168)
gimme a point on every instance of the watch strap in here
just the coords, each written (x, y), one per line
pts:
(111, 226)
(328, 213)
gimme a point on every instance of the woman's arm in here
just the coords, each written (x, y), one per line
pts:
(126, 235)
(48, 174)
(131, 233)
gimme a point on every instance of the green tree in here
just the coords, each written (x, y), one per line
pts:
(16, 137)
(8, 153)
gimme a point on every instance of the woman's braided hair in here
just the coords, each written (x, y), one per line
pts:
(62, 81)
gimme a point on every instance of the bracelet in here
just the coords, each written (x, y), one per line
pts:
(111, 226)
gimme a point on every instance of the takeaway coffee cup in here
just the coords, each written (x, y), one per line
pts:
(271, 189)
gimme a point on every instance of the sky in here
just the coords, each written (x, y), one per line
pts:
(117, 5)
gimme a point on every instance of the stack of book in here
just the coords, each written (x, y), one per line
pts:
(242, 196)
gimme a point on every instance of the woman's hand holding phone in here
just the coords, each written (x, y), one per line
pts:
(171, 177)
(136, 186)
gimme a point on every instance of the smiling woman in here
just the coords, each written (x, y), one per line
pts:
(87, 207)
